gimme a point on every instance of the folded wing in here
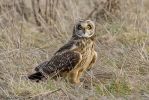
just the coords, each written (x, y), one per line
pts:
(64, 61)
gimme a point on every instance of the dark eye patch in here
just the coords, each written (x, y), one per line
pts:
(89, 27)
(79, 27)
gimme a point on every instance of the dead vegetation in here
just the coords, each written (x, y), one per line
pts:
(31, 30)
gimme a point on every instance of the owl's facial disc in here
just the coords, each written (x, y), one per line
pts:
(85, 29)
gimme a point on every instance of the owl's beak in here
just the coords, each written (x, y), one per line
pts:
(83, 30)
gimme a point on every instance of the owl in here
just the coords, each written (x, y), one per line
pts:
(72, 59)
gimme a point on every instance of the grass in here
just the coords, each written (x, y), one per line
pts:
(119, 88)
(121, 71)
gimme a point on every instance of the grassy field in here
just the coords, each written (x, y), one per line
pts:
(121, 71)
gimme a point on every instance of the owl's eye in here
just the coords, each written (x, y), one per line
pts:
(89, 27)
(79, 27)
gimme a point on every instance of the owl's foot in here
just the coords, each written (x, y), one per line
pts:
(74, 81)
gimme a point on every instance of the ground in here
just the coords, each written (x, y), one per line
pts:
(121, 71)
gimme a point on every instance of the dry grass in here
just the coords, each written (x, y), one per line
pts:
(122, 68)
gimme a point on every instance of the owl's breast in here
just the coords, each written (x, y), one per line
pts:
(87, 53)
(87, 56)
(86, 49)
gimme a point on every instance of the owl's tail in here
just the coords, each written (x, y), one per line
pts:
(38, 76)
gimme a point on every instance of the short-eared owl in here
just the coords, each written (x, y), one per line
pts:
(72, 59)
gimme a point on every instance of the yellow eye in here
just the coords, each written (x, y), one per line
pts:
(89, 27)
(79, 27)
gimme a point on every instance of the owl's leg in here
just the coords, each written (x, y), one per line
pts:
(80, 72)
(93, 61)
(73, 76)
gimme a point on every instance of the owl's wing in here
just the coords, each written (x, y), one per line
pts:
(41, 65)
(61, 62)
(69, 46)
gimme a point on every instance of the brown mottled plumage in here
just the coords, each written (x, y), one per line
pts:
(73, 58)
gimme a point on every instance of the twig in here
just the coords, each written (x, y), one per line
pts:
(45, 93)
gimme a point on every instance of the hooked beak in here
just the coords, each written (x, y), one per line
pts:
(83, 30)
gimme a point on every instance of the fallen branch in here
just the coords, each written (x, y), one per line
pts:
(45, 94)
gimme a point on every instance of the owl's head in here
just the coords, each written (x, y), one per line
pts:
(84, 28)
